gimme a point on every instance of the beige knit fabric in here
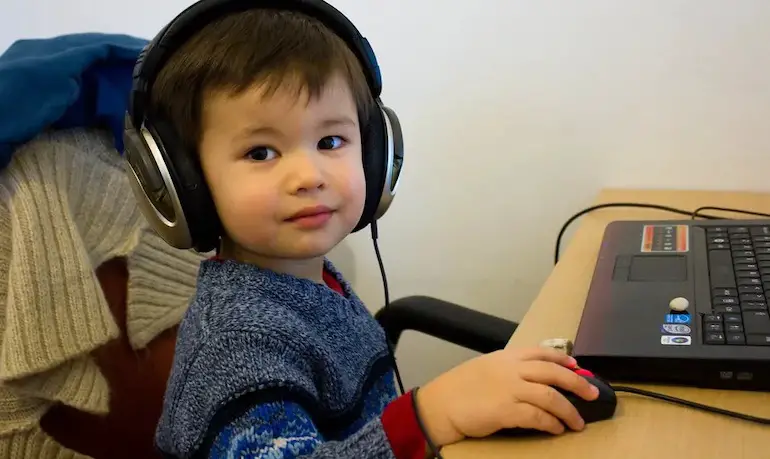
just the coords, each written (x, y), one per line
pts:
(65, 208)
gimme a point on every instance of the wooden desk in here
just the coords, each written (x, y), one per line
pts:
(642, 428)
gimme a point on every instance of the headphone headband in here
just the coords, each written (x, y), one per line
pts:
(196, 16)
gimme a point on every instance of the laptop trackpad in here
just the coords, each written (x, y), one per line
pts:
(651, 268)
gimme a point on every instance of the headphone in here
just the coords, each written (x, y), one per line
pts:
(166, 177)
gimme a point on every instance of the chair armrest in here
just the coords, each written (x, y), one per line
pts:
(450, 322)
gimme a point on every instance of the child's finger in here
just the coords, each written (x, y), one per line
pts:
(550, 400)
(554, 375)
(529, 416)
(544, 353)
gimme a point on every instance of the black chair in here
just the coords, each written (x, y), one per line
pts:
(447, 321)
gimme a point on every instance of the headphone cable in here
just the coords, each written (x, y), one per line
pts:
(435, 451)
(375, 237)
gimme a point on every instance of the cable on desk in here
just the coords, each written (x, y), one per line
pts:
(687, 403)
(697, 213)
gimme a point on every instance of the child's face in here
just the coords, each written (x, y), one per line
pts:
(266, 159)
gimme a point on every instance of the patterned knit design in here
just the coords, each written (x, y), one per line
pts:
(253, 331)
(65, 208)
(285, 430)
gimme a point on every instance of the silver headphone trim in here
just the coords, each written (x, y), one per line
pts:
(388, 193)
(176, 233)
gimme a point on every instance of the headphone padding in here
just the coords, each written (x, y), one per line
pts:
(374, 146)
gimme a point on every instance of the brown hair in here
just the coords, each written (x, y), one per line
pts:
(272, 47)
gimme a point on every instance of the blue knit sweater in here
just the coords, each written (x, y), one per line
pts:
(270, 365)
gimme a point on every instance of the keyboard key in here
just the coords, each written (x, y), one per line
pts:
(754, 306)
(760, 230)
(716, 327)
(763, 257)
(739, 246)
(762, 245)
(712, 318)
(718, 246)
(756, 322)
(753, 281)
(718, 240)
(727, 309)
(715, 338)
(732, 318)
(738, 230)
(716, 229)
(764, 265)
(740, 240)
(747, 274)
(739, 260)
(761, 238)
(718, 292)
(746, 267)
(752, 297)
(743, 253)
(733, 328)
(725, 301)
(721, 269)
(758, 340)
(762, 250)
(750, 289)
(735, 338)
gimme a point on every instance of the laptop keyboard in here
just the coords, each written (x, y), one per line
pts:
(739, 268)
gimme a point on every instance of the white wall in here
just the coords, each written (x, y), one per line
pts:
(516, 113)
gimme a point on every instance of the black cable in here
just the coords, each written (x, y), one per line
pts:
(696, 212)
(687, 403)
(431, 445)
(691, 214)
(375, 236)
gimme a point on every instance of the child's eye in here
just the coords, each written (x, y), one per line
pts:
(261, 154)
(331, 142)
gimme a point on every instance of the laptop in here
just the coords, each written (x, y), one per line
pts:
(716, 331)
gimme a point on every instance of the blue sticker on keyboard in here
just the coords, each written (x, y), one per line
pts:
(677, 318)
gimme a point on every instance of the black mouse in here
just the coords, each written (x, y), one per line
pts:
(603, 407)
(599, 409)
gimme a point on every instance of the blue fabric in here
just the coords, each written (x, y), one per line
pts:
(284, 430)
(77, 80)
(250, 331)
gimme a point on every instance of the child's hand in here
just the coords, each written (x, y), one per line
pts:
(503, 389)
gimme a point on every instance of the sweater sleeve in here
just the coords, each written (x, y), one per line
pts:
(284, 430)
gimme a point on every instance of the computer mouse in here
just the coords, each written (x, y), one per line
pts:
(599, 409)
(603, 407)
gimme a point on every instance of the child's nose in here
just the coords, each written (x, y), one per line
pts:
(307, 173)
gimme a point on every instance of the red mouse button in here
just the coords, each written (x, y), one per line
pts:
(585, 373)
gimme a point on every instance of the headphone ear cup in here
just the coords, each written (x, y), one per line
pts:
(382, 148)
(373, 149)
(153, 184)
(195, 222)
